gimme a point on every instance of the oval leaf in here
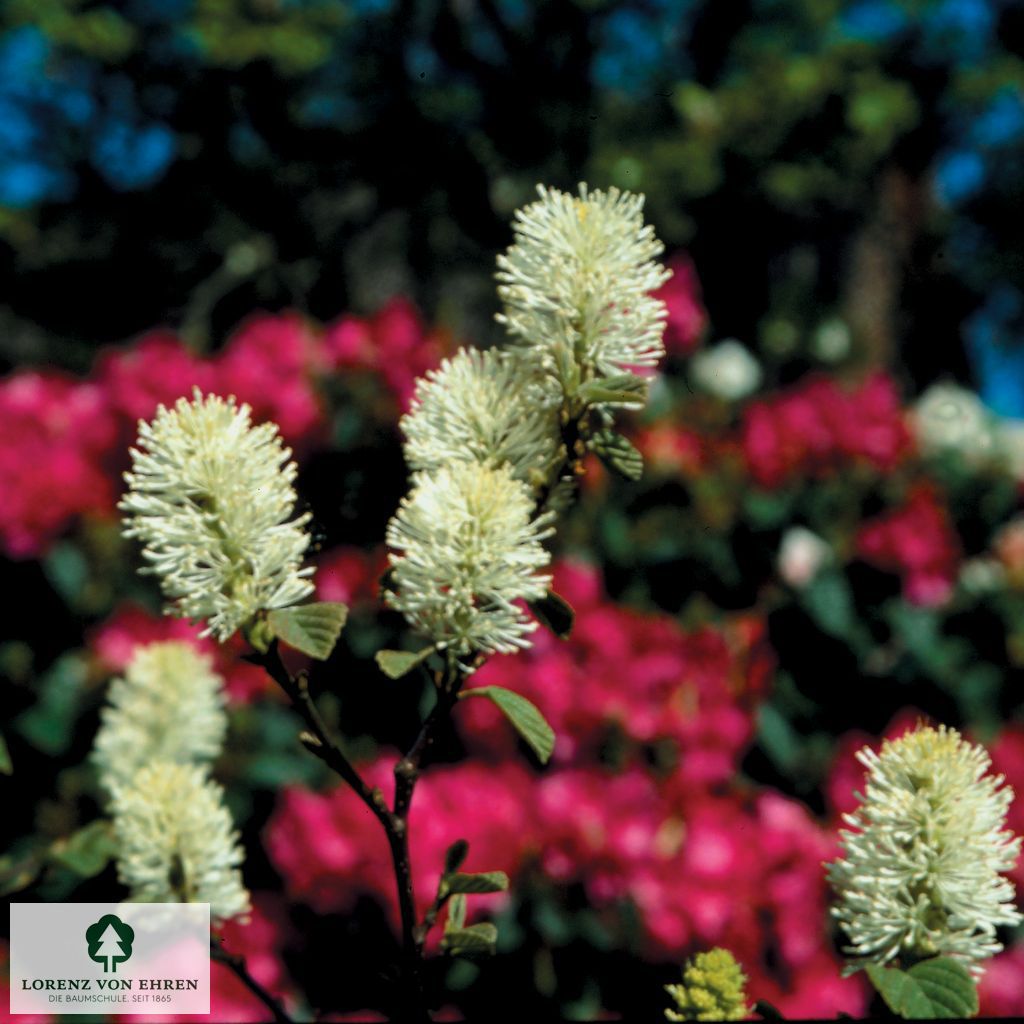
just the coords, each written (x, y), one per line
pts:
(618, 453)
(476, 940)
(939, 988)
(524, 716)
(483, 881)
(395, 664)
(311, 628)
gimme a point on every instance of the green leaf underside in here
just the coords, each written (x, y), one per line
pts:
(484, 881)
(6, 768)
(312, 629)
(618, 453)
(524, 716)
(554, 612)
(456, 913)
(930, 990)
(395, 664)
(474, 940)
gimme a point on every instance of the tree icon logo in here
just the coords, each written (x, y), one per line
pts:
(110, 942)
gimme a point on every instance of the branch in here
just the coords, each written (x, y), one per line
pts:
(318, 740)
(236, 964)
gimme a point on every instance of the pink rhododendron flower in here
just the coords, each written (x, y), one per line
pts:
(687, 318)
(818, 426)
(1001, 989)
(350, 575)
(56, 434)
(155, 369)
(393, 342)
(270, 362)
(918, 541)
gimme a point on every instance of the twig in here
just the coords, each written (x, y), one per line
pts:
(236, 964)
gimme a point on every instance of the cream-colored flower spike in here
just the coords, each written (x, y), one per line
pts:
(465, 548)
(486, 407)
(576, 284)
(921, 873)
(168, 706)
(176, 840)
(211, 499)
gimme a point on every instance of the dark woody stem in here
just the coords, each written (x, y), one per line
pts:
(395, 821)
(236, 965)
(318, 740)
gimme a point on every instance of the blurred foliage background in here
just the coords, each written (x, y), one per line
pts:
(845, 180)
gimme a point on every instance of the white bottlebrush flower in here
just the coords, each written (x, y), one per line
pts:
(465, 547)
(727, 371)
(210, 497)
(802, 554)
(948, 417)
(921, 870)
(176, 841)
(169, 706)
(576, 284)
(484, 406)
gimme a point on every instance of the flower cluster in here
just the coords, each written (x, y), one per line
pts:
(818, 426)
(713, 988)
(169, 706)
(56, 434)
(210, 497)
(576, 285)
(483, 407)
(918, 541)
(921, 872)
(162, 728)
(465, 548)
(176, 841)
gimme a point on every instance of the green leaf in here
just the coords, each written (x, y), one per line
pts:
(484, 881)
(766, 1011)
(395, 664)
(6, 767)
(311, 628)
(932, 989)
(476, 940)
(830, 604)
(618, 454)
(619, 389)
(524, 716)
(49, 724)
(456, 913)
(87, 851)
(553, 611)
(455, 856)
